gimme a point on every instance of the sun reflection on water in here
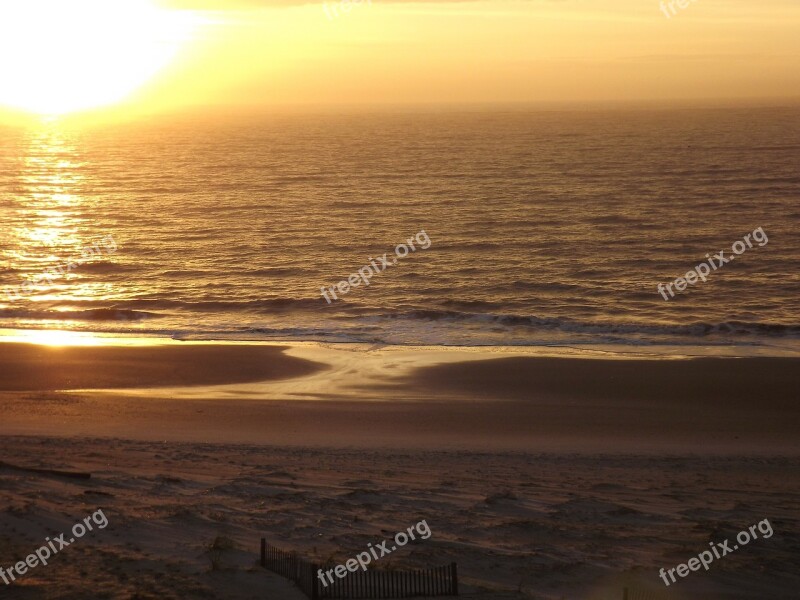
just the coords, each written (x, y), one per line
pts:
(49, 225)
(51, 178)
(55, 337)
(61, 338)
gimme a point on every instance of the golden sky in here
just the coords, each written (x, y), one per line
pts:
(154, 55)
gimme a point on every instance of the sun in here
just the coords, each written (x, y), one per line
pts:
(62, 56)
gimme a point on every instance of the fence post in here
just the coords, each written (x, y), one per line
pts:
(263, 552)
(454, 576)
(314, 582)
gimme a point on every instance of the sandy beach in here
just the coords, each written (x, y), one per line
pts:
(543, 477)
(282, 281)
(393, 397)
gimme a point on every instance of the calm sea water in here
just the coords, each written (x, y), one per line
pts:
(546, 227)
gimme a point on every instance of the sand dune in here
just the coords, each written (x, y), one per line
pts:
(540, 526)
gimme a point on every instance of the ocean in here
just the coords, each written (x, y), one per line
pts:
(546, 228)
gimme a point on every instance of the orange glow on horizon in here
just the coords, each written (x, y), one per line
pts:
(110, 60)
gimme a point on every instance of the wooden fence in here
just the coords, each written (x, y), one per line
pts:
(634, 594)
(368, 585)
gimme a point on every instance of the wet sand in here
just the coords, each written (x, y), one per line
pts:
(474, 401)
(32, 367)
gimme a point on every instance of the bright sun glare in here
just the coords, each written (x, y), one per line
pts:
(61, 56)
(53, 337)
